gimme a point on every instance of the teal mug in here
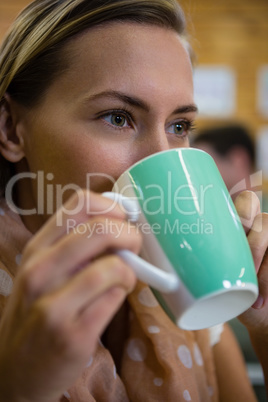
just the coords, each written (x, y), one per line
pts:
(195, 255)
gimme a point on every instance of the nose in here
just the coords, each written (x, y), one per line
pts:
(153, 142)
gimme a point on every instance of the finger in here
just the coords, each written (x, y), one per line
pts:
(78, 337)
(263, 283)
(76, 210)
(51, 267)
(101, 312)
(81, 297)
(248, 206)
(258, 241)
(258, 238)
(48, 331)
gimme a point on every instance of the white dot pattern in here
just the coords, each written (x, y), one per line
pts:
(210, 391)
(153, 329)
(186, 395)
(197, 355)
(136, 350)
(18, 259)
(67, 395)
(90, 362)
(6, 283)
(215, 334)
(146, 298)
(185, 356)
(158, 381)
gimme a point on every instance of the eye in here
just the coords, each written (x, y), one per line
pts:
(180, 128)
(117, 119)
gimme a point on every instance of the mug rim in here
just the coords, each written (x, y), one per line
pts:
(184, 149)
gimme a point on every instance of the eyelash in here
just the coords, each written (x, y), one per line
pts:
(117, 112)
(127, 115)
(189, 127)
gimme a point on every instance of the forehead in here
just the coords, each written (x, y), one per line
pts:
(128, 53)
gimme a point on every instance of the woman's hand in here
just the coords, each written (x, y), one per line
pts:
(256, 227)
(69, 287)
(256, 317)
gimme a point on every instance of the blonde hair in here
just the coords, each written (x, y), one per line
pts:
(31, 55)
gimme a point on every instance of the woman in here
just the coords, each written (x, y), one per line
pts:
(87, 89)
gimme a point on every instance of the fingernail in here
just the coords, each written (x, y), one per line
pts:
(258, 303)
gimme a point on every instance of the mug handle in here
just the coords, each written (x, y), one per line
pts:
(158, 279)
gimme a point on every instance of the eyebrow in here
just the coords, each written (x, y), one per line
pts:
(133, 101)
(186, 109)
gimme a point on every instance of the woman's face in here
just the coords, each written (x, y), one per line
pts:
(127, 94)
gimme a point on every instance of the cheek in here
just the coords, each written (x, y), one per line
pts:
(94, 165)
(78, 156)
(106, 165)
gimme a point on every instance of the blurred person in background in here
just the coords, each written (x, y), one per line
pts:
(233, 150)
